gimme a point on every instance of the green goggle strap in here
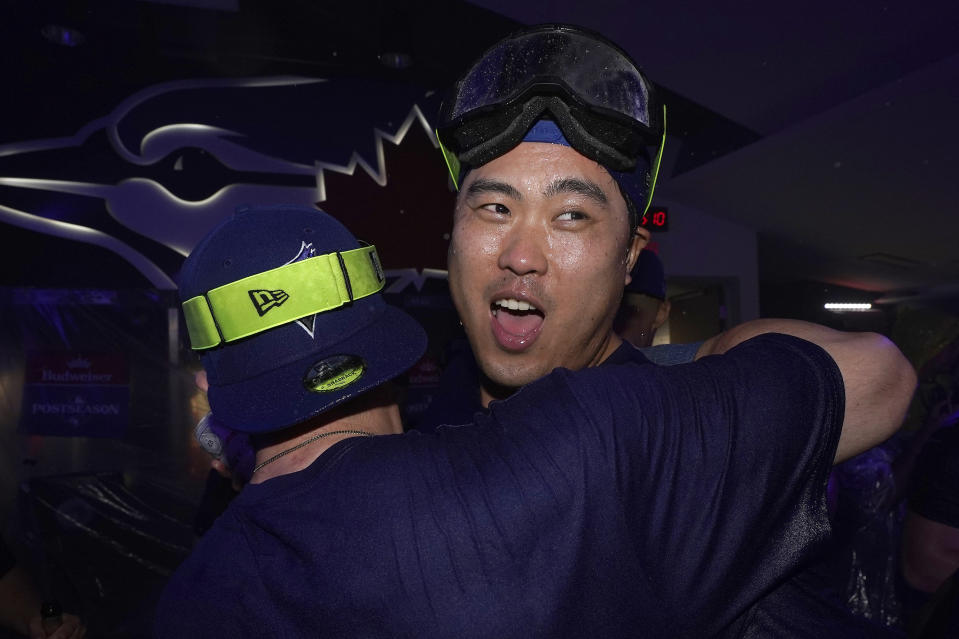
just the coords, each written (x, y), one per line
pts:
(453, 165)
(452, 162)
(654, 169)
(281, 295)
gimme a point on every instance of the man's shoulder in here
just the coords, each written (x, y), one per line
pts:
(212, 578)
(775, 349)
(684, 353)
(770, 369)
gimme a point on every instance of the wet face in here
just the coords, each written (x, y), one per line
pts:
(538, 258)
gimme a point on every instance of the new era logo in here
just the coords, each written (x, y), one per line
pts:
(264, 300)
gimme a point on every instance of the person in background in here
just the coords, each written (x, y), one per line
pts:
(644, 307)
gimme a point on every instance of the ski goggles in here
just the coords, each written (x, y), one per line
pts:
(596, 94)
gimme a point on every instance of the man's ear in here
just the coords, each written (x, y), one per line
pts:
(662, 314)
(637, 242)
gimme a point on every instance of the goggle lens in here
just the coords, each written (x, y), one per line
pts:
(554, 60)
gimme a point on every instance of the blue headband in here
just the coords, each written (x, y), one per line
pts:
(633, 184)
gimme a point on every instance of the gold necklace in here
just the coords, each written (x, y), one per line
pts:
(309, 441)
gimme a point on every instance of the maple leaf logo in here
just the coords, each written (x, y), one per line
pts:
(409, 219)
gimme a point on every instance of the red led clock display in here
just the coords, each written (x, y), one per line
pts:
(656, 219)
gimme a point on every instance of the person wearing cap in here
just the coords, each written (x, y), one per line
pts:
(553, 139)
(545, 516)
(644, 307)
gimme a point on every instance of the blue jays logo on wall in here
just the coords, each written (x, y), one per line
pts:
(148, 179)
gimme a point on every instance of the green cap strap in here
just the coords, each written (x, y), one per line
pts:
(282, 295)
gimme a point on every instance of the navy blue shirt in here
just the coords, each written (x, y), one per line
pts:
(804, 605)
(627, 500)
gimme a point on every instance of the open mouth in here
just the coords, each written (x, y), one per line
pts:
(515, 322)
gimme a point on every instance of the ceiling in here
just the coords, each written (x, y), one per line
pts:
(853, 178)
(830, 128)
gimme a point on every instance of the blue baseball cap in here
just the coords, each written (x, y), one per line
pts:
(284, 305)
(648, 276)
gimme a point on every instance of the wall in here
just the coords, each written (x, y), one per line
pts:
(699, 245)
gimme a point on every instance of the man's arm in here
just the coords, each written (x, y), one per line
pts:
(878, 380)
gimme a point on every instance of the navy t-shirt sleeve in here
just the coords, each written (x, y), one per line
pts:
(720, 465)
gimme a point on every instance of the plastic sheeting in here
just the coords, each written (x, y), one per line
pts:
(867, 528)
(107, 543)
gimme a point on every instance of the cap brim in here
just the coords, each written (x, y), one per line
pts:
(280, 398)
